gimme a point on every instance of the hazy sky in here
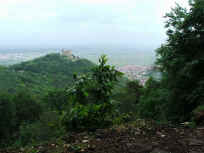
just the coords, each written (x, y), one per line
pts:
(63, 23)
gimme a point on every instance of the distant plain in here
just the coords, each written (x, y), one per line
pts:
(117, 56)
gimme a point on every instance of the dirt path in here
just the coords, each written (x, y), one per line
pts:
(128, 140)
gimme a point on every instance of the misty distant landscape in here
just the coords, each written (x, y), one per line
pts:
(119, 56)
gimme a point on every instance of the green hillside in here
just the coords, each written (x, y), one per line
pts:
(42, 74)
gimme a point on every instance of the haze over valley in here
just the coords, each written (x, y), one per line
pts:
(119, 56)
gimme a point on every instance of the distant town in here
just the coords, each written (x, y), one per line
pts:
(134, 72)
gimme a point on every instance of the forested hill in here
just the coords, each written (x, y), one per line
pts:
(42, 74)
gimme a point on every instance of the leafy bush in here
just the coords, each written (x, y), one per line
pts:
(153, 101)
(56, 100)
(27, 108)
(46, 128)
(87, 117)
(15, 110)
(91, 98)
(128, 97)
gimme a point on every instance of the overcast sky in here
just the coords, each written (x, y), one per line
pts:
(64, 23)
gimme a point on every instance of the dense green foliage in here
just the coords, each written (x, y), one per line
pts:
(86, 105)
(181, 60)
(42, 74)
(56, 100)
(48, 127)
(91, 97)
(15, 110)
(152, 103)
(7, 116)
(35, 90)
(27, 108)
(129, 96)
(179, 92)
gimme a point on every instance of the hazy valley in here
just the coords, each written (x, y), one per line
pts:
(119, 56)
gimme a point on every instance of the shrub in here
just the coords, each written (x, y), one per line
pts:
(47, 128)
(153, 102)
(87, 117)
(27, 107)
(91, 98)
(56, 100)
(129, 96)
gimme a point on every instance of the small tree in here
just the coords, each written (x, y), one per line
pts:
(91, 97)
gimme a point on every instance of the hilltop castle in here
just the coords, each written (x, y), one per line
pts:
(68, 54)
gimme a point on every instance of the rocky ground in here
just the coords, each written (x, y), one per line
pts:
(126, 139)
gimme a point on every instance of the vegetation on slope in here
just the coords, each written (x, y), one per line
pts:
(42, 74)
(87, 105)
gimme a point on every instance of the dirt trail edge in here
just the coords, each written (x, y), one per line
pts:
(126, 139)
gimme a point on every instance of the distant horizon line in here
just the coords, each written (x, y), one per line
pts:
(79, 47)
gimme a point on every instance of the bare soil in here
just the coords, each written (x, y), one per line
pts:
(126, 139)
